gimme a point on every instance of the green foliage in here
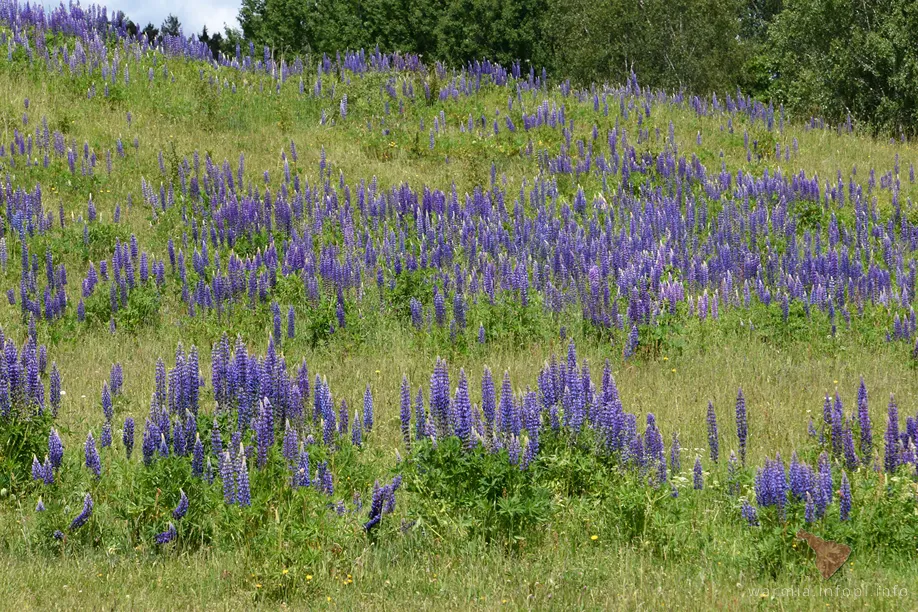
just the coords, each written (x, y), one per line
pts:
(141, 311)
(21, 439)
(508, 321)
(684, 44)
(487, 495)
(832, 58)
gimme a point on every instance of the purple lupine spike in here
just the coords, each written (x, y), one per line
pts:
(291, 444)
(227, 474)
(150, 441)
(55, 449)
(824, 490)
(169, 534)
(675, 451)
(697, 475)
(55, 390)
(420, 416)
(357, 432)
(508, 424)
(263, 434)
(37, 469)
(301, 477)
(291, 323)
(891, 455)
(851, 460)
(632, 343)
(845, 497)
(92, 456)
(40, 506)
(243, 493)
(343, 418)
(488, 402)
(197, 457)
(733, 487)
(368, 410)
(809, 513)
(105, 440)
(182, 508)
(405, 411)
(713, 442)
(463, 412)
(216, 439)
(750, 514)
(84, 516)
(742, 428)
(324, 479)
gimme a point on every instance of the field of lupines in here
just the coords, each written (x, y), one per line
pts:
(366, 332)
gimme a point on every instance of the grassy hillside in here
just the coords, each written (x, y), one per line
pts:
(586, 225)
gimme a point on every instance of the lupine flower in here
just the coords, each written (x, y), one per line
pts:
(891, 456)
(105, 439)
(357, 432)
(227, 474)
(291, 323)
(632, 343)
(290, 445)
(742, 429)
(324, 479)
(58, 534)
(92, 456)
(37, 469)
(81, 518)
(698, 476)
(40, 506)
(851, 460)
(127, 436)
(368, 410)
(244, 496)
(713, 442)
(733, 486)
(863, 416)
(182, 508)
(216, 439)
(463, 412)
(749, 513)
(301, 476)
(845, 497)
(420, 420)
(343, 418)
(167, 536)
(107, 408)
(824, 488)
(809, 513)
(675, 464)
(197, 457)
(405, 411)
(55, 390)
(55, 449)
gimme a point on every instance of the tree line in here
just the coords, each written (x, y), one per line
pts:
(835, 59)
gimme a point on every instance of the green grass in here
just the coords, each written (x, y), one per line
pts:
(649, 551)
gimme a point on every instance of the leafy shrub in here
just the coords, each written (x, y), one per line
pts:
(20, 440)
(491, 497)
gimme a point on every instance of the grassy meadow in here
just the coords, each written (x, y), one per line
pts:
(581, 527)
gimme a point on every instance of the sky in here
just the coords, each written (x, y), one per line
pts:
(193, 14)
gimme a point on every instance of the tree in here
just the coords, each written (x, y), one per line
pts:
(150, 32)
(834, 57)
(171, 26)
(691, 44)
